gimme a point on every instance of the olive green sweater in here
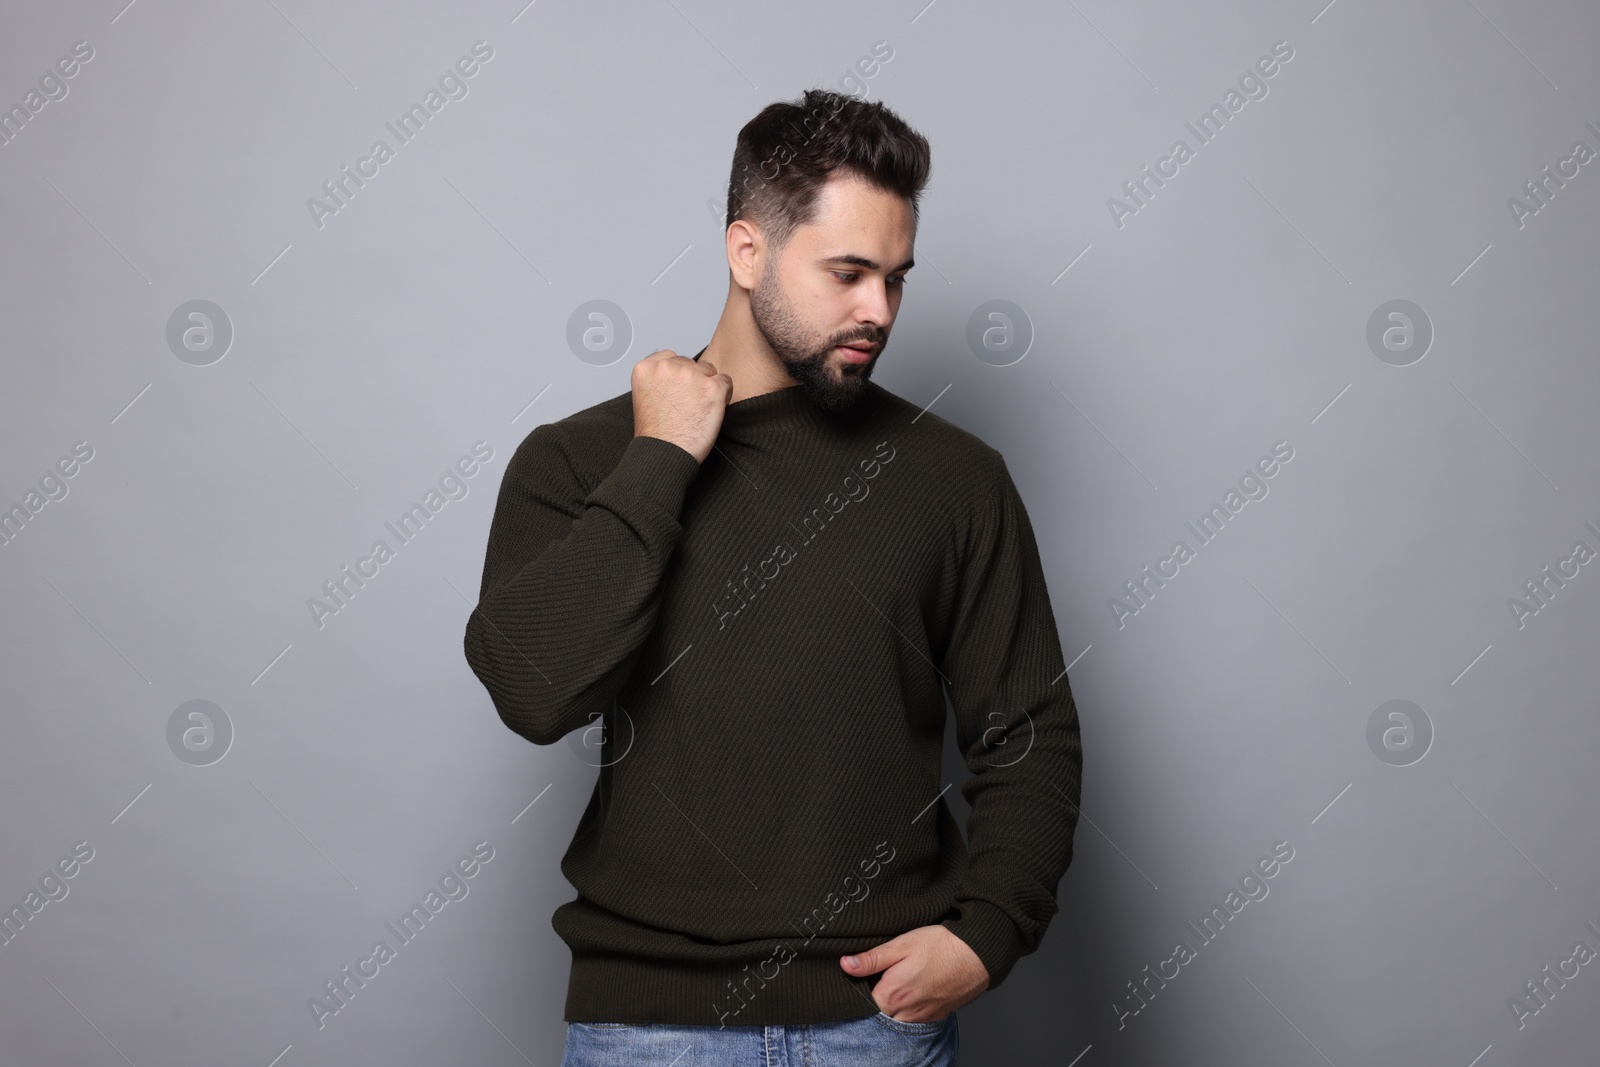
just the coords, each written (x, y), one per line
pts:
(764, 643)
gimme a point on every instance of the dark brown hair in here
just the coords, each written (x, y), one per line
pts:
(785, 154)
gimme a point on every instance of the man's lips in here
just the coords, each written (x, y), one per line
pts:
(856, 355)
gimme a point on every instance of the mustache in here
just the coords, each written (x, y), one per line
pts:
(875, 339)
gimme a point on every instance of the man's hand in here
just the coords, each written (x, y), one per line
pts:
(680, 400)
(927, 974)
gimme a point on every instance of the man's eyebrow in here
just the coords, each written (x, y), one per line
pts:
(863, 261)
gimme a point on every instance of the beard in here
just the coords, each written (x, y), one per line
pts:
(806, 356)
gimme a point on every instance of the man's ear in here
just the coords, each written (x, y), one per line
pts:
(747, 252)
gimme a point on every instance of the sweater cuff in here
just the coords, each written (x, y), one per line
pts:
(989, 931)
(653, 470)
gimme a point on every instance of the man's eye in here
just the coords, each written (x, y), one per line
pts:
(850, 276)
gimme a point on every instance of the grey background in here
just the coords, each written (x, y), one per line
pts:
(589, 161)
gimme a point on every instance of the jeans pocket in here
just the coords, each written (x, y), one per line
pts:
(932, 1027)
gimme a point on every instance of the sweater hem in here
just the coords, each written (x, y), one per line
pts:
(606, 988)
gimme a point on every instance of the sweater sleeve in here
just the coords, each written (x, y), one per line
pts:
(1017, 727)
(571, 578)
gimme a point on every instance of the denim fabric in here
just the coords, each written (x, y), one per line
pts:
(875, 1040)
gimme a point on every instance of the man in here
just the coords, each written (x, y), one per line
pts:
(762, 574)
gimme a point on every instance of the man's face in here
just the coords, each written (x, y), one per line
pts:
(837, 282)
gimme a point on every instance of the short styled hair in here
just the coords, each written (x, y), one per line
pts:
(784, 156)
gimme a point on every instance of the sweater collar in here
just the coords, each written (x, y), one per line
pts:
(787, 408)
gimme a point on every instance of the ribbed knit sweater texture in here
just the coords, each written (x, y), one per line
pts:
(765, 642)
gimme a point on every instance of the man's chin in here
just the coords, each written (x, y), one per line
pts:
(846, 385)
(832, 382)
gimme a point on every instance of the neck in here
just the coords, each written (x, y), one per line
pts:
(738, 350)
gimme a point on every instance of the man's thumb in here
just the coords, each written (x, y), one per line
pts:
(870, 961)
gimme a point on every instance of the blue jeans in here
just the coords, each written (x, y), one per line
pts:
(877, 1040)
